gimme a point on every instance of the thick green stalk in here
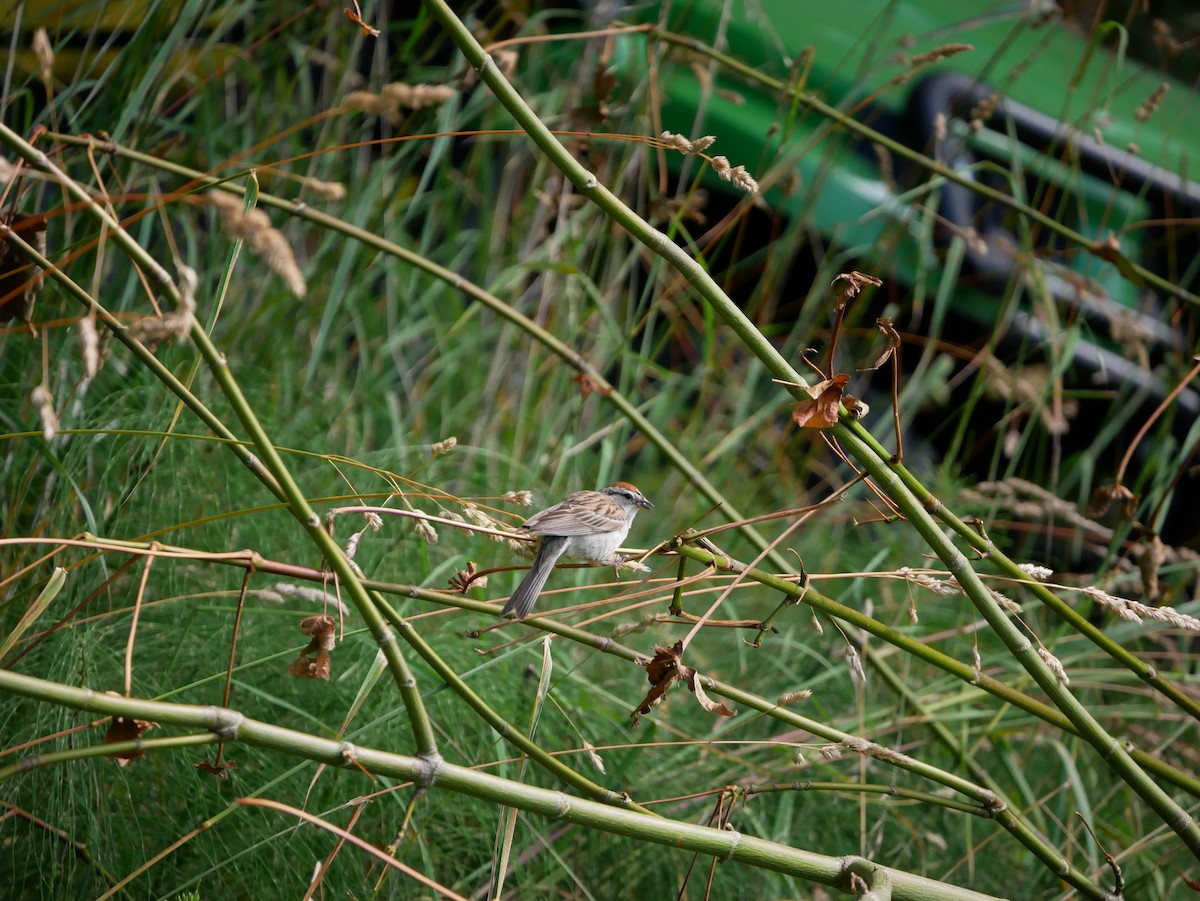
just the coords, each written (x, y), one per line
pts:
(724, 844)
(1019, 645)
(930, 655)
(114, 749)
(879, 468)
(281, 480)
(1023, 831)
(567, 354)
(144, 356)
(1144, 671)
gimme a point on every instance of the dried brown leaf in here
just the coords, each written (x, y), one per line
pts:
(1106, 495)
(661, 671)
(311, 664)
(20, 280)
(820, 411)
(693, 682)
(313, 661)
(855, 283)
(466, 579)
(1152, 556)
(355, 16)
(587, 385)
(666, 667)
(220, 770)
(123, 729)
(893, 341)
(1109, 249)
(855, 406)
(322, 629)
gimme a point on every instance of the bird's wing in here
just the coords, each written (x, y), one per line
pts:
(582, 513)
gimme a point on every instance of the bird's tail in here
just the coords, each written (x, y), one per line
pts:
(520, 605)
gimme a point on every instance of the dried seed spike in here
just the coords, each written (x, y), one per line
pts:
(1151, 104)
(943, 52)
(1055, 666)
(44, 53)
(676, 142)
(44, 401)
(254, 227)
(426, 531)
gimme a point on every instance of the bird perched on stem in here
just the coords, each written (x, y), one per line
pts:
(587, 525)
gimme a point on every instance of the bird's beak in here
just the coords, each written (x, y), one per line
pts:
(642, 502)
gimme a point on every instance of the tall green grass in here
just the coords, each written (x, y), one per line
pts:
(357, 380)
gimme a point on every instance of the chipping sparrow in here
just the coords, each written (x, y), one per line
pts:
(588, 525)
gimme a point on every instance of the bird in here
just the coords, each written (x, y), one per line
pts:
(586, 525)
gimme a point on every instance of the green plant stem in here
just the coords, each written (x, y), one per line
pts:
(37, 761)
(253, 561)
(1019, 645)
(878, 467)
(560, 349)
(1023, 831)
(728, 845)
(932, 656)
(504, 729)
(865, 788)
(281, 481)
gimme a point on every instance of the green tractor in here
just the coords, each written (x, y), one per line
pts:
(1019, 183)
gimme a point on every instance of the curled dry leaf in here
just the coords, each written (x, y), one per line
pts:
(820, 411)
(468, 578)
(856, 407)
(122, 729)
(1106, 495)
(1152, 556)
(661, 670)
(313, 661)
(893, 341)
(20, 280)
(855, 282)
(664, 668)
(220, 770)
(693, 681)
(355, 16)
(587, 385)
(1109, 249)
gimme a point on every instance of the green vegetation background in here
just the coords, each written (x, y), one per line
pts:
(375, 364)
